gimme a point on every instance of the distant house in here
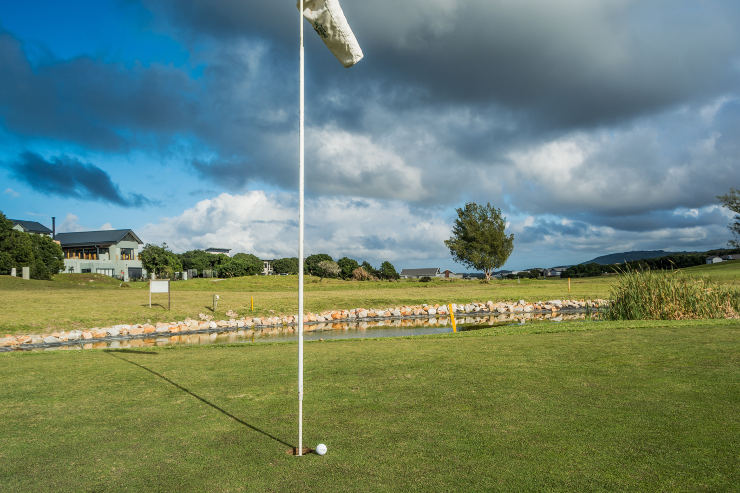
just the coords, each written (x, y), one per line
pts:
(448, 274)
(731, 257)
(218, 251)
(267, 267)
(419, 273)
(554, 271)
(714, 260)
(112, 253)
(30, 227)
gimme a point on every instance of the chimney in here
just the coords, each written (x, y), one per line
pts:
(53, 228)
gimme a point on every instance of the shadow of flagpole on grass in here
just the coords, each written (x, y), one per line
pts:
(113, 352)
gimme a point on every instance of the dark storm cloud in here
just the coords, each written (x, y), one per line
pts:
(86, 101)
(68, 177)
(574, 63)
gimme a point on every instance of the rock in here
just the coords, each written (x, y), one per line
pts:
(136, 331)
(432, 311)
(51, 339)
(212, 325)
(113, 331)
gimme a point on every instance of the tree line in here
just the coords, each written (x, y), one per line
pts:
(164, 263)
(19, 249)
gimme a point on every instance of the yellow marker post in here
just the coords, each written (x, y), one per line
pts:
(252, 302)
(569, 284)
(452, 317)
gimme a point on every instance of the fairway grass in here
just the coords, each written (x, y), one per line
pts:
(649, 406)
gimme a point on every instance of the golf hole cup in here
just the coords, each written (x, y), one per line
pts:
(321, 449)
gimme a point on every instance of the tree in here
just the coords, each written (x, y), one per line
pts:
(732, 202)
(312, 263)
(199, 260)
(328, 268)
(285, 265)
(369, 269)
(347, 266)
(241, 264)
(18, 249)
(160, 260)
(387, 271)
(478, 238)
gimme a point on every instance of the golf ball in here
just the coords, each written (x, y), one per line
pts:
(321, 449)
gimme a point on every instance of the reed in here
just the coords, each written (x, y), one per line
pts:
(670, 295)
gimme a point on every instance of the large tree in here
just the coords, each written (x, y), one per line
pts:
(347, 265)
(732, 202)
(479, 239)
(387, 271)
(19, 249)
(241, 264)
(160, 260)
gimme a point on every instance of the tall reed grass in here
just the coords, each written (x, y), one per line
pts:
(670, 295)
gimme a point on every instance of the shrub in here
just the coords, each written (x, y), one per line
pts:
(360, 274)
(285, 265)
(670, 295)
(425, 279)
(328, 268)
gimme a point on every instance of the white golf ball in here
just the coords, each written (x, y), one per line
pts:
(321, 449)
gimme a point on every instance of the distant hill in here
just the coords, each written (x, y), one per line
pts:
(618, 258)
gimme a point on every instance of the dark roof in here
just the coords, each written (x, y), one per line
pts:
(31, 226)
(430, 271)
(107, 237)
(218, 250)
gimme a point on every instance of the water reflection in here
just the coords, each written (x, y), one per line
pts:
(320, 331)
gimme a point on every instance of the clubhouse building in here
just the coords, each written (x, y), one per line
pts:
(112, 253)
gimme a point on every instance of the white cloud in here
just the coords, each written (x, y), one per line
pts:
(71, 224)
(266, 225)
(11, 192)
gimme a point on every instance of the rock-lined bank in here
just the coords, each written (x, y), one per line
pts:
(311, 320)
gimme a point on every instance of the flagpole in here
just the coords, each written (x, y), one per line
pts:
(300, 238)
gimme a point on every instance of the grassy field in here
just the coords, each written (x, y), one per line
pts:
(84, 301)
(649, 406)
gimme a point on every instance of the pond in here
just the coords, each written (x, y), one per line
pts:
(313, 332)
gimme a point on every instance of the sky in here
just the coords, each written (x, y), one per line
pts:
(595, 127)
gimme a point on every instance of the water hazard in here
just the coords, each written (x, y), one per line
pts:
(314, 332)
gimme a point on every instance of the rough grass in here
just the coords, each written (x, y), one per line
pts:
(612, 406)
(670, 295)
(67, 303)
(89, 300)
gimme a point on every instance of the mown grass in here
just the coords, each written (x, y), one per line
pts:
(670, 295)
(648, 406)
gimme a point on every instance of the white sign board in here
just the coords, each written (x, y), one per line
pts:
(159, 286)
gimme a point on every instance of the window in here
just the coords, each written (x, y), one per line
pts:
(127, 254)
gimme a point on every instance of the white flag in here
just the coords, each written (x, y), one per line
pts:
(328, 21)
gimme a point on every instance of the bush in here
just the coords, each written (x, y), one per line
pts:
(311, 266)
(360, 274)
(425, 279)
(328, 268)
(670, 295)
(285, 265)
